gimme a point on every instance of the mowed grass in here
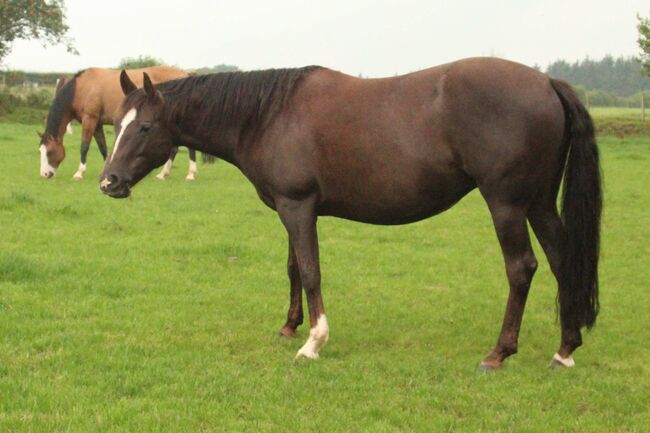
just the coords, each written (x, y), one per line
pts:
(160, 313)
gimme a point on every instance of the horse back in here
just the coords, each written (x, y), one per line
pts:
(399, 149)
(98, 93)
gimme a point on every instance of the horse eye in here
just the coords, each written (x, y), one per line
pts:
(145, 126)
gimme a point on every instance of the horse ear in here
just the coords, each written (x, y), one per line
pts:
(149, 89)
(40, 134)
(126, 83)
(148, 85)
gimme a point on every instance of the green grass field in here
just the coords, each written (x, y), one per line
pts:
(617, 112)
(160, 313)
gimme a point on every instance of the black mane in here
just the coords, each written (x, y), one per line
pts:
(61, 104)
(234, 99)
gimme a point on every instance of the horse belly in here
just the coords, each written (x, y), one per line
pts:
(395, 200)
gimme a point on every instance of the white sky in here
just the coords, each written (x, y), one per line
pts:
(372, 37)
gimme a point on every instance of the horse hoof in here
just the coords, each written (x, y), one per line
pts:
(559, 362)
(307, 354)
(189, 177)
(489, 366)
(77, 177)
(160, 177)
(289, 332)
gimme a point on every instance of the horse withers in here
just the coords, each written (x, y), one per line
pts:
(91, 97)
(389, 151)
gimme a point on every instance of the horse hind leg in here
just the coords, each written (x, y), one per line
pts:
(191, 172)
(548, 228)
(101, 141)
(520, 262)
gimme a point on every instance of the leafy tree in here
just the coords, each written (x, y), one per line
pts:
(33, 19)
(139, 62)
(644, 42)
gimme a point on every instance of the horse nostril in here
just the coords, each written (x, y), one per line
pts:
(108, 181)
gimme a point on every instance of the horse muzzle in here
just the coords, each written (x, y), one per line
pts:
(114, 187)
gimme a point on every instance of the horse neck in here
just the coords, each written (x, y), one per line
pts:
(63, 124)
(62, 117)
(192, 130)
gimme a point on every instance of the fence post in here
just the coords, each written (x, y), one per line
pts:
(642, 107)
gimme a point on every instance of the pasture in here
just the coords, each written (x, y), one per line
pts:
(160, 312)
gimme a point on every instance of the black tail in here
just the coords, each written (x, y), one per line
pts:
(581, 209)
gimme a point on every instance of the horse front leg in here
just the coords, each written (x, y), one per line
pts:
(191, 171)
(167, 168)
(295, 314)
(88, 127)
(299, 218)
(512, 231)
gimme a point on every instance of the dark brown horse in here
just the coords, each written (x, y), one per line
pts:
(393, 151)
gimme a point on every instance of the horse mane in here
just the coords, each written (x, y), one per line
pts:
(227, 99)
(61, 103)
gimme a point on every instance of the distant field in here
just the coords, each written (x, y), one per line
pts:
(619, 112)
(159, 313)
(620, 122)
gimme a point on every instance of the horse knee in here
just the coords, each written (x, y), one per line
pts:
(522, 272)
(292, 269)
(531, 265)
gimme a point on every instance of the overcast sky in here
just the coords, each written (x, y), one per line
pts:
(372, 37)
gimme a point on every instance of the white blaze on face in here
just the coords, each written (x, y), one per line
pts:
(318, 336)
(46, 168)
(126, 120)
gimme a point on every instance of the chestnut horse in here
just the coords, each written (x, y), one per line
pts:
(92, 97)
(393, 151)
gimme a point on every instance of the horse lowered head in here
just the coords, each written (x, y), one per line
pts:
(52, 153)
(143, 141)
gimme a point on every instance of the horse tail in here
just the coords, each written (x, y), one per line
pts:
(581, 212)
(206, 158)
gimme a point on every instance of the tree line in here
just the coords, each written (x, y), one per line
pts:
(622, 76)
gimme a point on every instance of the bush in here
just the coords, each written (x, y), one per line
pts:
(41, 98)
(7, 101)
(25, 105)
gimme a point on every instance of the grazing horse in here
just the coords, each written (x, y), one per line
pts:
(92, 97)
(393, 151)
